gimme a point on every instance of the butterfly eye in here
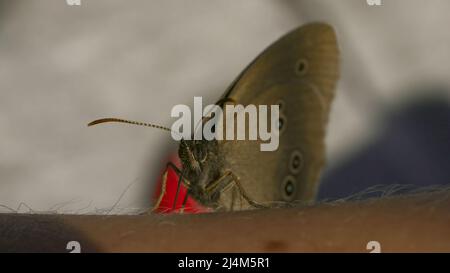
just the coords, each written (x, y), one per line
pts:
(288, 188)
(301, 68)
(296, 162)
(200, 152)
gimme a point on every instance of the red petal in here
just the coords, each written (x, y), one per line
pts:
(166, 205)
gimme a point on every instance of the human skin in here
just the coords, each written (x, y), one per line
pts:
(414, 223)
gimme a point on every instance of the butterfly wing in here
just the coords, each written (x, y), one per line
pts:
(299, 72)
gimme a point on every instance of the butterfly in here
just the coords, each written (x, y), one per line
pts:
(298, 73)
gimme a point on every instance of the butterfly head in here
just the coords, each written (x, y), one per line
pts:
(193, 154)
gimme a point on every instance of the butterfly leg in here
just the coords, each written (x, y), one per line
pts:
(180, 180)
(174, 167)
(164, 184)
(183, 205)
(243, 193)
(213, 187)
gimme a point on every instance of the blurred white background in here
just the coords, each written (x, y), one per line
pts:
(62, 66)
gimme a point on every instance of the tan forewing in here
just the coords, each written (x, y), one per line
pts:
(299, 70)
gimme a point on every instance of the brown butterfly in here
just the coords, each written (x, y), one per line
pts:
(299, 73)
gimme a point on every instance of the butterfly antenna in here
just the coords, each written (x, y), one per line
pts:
(105, 120)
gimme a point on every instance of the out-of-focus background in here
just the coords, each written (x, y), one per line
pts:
(62, 66)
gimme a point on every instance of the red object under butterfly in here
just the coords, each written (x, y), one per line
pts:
(166, 205)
